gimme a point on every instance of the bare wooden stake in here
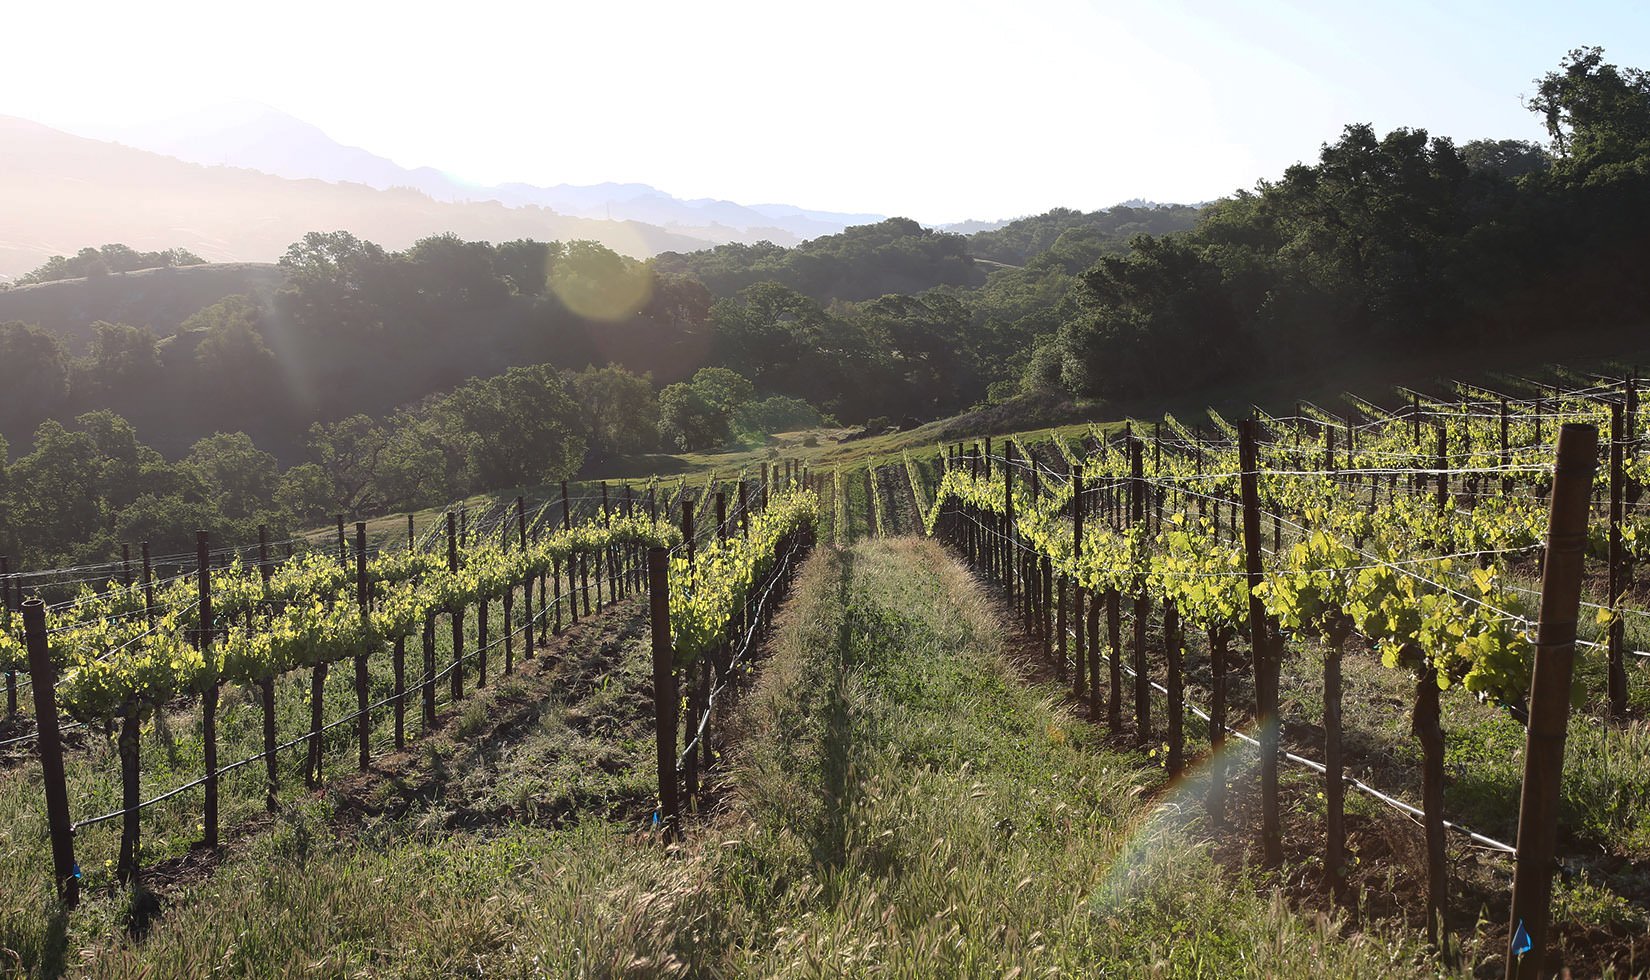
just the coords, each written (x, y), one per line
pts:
(49, 744)
(1265, 655)
(1616, 639)
(209, 697)
(363, 600)
(664, 690)
(1550, 701)
(456, 680)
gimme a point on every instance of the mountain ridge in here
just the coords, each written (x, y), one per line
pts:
(61, 192)
(260, 137)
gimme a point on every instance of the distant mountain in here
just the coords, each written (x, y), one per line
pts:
(60, 193)
(256, 137)
(260, 137)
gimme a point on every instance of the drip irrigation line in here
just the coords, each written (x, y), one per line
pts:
(408, 690)
(1358, 784)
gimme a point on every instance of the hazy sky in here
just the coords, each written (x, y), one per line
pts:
(936, 110)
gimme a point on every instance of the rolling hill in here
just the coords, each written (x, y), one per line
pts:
(159, 299)
(60, 193)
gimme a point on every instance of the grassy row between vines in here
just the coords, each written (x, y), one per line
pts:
(900, 803)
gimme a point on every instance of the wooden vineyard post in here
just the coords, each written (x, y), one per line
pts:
(456, 681)
(1142, 605)
(5, 624)
(398, 665)
(507, 614)
(1630, 489)
(49, 743)
(664, 688)
(266, 686)
(1617, 670)
(584, 582)
(612, 593)
(690, 760)
(720, 657)
(1156, 523)
(1061, 600)
(1216, 798)
(1334, 785)
(209, 697)
(1094, 656)
(526, 586)
(1265, 659)
(1442, 465)
(1172, 645)
(317, 702)
(363, 600)
(1030, 589)
(483, 636)
(131, 826)
(1046, 606)
(1550, 701)
(1114, 639)
(1079, 668)
(427, 688)
(1010, 528)
(572, 563)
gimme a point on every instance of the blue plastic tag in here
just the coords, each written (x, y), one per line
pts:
(1521, 943)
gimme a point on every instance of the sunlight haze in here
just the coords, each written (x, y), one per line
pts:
(853, 106)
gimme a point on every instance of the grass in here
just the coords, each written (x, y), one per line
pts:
(901, 803)
(934, 816)
(538, 787)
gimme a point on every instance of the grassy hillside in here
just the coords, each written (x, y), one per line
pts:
(897, 801)
(159, 299)
(1375, 377)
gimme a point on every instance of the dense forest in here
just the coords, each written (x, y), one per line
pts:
(1386, 244)
(375, 379)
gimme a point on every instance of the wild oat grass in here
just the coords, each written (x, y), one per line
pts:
(903, 805)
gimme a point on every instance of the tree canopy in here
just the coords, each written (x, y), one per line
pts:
(91, 262)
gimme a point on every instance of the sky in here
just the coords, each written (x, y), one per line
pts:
(939, 111)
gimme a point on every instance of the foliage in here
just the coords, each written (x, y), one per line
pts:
(102, 261)
(706, 594)
(618, 410)
(1386, 242)
(893, 256)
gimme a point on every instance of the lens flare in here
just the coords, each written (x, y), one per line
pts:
(597, 281)
(1156, 840)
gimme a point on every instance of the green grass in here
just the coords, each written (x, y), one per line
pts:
(555, 781)
(901, 803)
